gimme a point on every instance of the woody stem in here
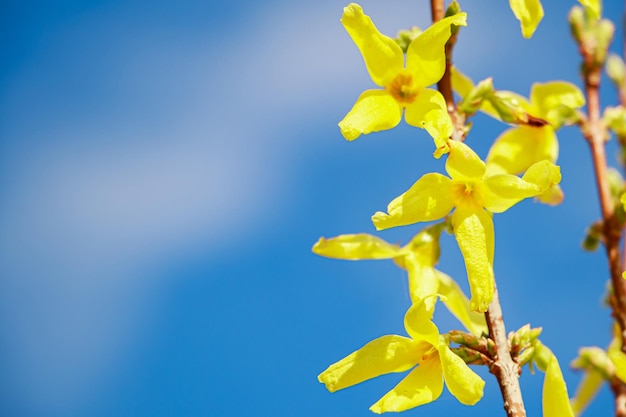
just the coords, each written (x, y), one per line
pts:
(505, 369)
(445, 84)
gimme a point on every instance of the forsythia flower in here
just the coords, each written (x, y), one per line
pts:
(529, 13)
(426, 351)
(403, 87)
(472, 192)
(521, 146)
(418, 258)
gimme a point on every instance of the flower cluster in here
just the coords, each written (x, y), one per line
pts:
(462, 203)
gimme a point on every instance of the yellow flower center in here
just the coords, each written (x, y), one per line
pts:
(429, 354)
(402, 88)
(467, 193)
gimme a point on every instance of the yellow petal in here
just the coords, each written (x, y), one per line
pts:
(463, 383)
(461, 83)
(593, 6)
(375, 110)
(473, 230)
(556, 101)
(418, 321)
(357, 246)
(555, 398)
(529, 13)
(463, 163)
(429, 112)
(587, 390)
(422, 385)
(423, 279)
(519, 147)
(544, 174)
(506, 191)
(455, 300)
(384, 355)
(430, 198)
(425, 56)
(383, 57)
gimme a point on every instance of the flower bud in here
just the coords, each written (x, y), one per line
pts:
(603, 34)
(593, 237)
(594, 358)
(453, 9)
(577, 23)
(405, 37)
(508, 107)
(474, 99)
(615, 69)
(526, 356)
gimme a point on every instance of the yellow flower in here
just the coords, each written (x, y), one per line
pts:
(521, 146)
(529, 13)
(426, 351)
(403, 87)
(419, 258)
(470, 190)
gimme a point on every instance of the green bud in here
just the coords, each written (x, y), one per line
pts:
(615, 69)
(603, 34)
(474, 99)
(453, 9)
(510, 109)
(616, 184)
(405, 37)
(470, 357)
(577, 23)
(526, 356)
(523, 338)
(594, 358)
(593, 237)
(615, 119)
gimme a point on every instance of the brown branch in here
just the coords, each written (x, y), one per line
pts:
(445, 84)
(595, 133)
(505, 369)
(619, 391)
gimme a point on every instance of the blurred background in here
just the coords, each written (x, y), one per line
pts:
(165, 168)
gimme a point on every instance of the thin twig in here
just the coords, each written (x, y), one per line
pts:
(445, 84)
(619, 391)
(594, 132)
(505, 369)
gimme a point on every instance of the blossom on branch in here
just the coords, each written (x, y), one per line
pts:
(404, 87)
(426, 351)
(473, 194)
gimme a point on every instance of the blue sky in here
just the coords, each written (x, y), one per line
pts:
(165, 168)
